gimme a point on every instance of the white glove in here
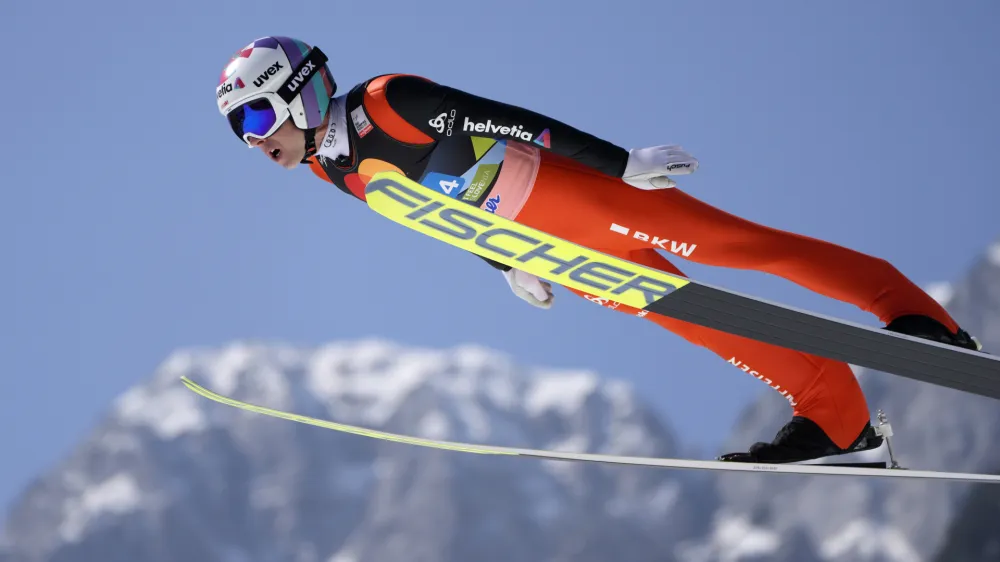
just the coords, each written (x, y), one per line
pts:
(647, 168)
(529, 287)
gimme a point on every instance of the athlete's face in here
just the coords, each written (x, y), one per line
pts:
(286, 146)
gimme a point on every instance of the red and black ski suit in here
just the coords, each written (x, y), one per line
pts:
(550, 176)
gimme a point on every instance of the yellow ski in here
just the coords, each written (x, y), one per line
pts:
(470, 228)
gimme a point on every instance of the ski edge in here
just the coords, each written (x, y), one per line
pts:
(804, 469)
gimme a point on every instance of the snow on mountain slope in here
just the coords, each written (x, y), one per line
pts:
(857, 520)
(170, 475)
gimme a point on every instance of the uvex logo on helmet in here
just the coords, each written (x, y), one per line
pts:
(267, 74)
(301, 77)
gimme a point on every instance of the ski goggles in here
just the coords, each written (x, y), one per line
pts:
(258, 117)
(262, 115)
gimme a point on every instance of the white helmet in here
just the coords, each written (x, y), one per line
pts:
(272, 79)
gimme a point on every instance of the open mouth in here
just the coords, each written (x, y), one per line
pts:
(275, 153)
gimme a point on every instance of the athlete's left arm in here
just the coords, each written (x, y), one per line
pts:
(439, 111)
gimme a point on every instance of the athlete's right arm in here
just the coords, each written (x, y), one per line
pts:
(440, 111)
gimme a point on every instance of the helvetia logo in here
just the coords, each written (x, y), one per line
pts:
(229, 87)
(544, 139)
(489, 127)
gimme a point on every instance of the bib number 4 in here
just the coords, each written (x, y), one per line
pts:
(448, 186)
(443, 183)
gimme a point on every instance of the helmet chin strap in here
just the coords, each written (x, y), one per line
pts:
(310, 135)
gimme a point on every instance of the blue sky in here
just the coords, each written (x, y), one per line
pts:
(134, 223)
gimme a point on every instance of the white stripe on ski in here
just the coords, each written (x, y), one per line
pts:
(817, 469)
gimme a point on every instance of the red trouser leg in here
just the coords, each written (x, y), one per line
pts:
(823, 390)
(581, 205)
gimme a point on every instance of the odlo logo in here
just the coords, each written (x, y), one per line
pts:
(443, 120)
(267, 74)
(224, 89)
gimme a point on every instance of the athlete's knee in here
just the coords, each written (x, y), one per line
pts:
(886, 268)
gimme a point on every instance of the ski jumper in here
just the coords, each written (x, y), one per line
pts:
(547, 175)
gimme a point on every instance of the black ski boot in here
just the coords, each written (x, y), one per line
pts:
(800, 440)
(925, 327)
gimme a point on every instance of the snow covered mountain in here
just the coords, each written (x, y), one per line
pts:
(169, 475)
(801, 519)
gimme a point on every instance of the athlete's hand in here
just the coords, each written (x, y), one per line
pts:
(648, 168)
(529, 287)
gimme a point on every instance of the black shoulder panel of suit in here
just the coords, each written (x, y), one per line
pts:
(440, 111)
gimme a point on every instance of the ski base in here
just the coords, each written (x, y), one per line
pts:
(845, 469)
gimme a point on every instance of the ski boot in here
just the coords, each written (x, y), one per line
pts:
(925, 327)
(801, 440)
